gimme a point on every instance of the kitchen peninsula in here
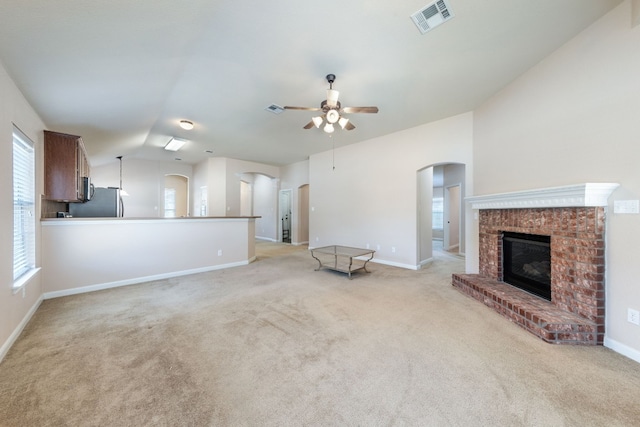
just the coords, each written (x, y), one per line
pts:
(87, 254)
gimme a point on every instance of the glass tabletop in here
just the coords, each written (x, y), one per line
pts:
(342, 250)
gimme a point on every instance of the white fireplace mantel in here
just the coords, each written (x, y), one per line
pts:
(579, 195)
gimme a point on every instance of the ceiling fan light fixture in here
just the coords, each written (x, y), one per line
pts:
(328, 128)
(332, 116)
(317, 121)
(186, 124)
(332, 97)
(343, 122)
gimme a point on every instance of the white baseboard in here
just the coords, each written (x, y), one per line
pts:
(16, 333)
(136, 280)
(395, 264)
(266, 239)
(623, 349)
(424, 263)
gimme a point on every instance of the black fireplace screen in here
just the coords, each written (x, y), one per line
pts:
(526, 262)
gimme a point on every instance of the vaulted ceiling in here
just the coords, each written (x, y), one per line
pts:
(122, 73)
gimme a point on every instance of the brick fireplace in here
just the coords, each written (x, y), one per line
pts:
(574, 218)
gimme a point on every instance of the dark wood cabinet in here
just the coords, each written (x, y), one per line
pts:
(65, 167)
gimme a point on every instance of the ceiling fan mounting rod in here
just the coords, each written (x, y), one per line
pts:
(331, 78)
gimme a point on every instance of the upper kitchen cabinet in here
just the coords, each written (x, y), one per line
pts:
(66, 168)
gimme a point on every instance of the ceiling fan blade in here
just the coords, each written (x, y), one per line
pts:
(349, 126)
(309, 125)
(350, 110)
(286, 107)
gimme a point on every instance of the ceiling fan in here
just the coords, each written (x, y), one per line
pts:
(332, 111)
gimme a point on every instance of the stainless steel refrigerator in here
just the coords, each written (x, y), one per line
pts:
(105, 202)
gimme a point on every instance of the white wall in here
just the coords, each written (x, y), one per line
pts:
(216, 182)
(426, 192)
(199, 181)
(575, 118)
(371, 195)
(15, 309)
(116, 252)
(265, 201)
(143, 180)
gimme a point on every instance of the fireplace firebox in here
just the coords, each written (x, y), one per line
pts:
(526, 262)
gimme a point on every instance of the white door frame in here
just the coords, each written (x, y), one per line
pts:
(451, 210)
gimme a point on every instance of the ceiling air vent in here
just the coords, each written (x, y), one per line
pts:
(275, 109)
(432, 15)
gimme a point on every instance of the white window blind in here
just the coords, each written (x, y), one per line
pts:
(203, 201)
(24, 226)
(169, 202)
(438, 213)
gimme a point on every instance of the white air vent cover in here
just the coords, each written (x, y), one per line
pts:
(275, 109)
(432, 15)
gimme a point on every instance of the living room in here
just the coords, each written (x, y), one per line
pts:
(571, 118)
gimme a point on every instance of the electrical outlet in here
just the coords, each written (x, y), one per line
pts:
(219, 252)
(393, 249)
(633, 316)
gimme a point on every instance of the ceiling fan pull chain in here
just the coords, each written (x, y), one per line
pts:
(333, 153)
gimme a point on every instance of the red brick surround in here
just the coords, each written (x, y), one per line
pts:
(576, 311)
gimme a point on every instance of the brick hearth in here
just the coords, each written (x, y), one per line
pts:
(575, 313)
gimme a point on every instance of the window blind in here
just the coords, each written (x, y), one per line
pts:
(438, 213)
(169, 202)
(23, 205)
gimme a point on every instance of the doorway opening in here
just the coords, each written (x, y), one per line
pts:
(176, 196)
(440, 210)
(452, 202)
(302, 216)
(285, 215)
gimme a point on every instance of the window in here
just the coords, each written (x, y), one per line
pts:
(24, 224)
(438, 213)
(203, 200)
(169, 202)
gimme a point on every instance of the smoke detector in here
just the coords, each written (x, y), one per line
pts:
(432, 15)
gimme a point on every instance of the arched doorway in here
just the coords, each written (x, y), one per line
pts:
(176, 196)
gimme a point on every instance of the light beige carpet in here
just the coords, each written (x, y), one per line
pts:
(276, 343)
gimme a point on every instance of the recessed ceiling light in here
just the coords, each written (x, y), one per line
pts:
(186, 124)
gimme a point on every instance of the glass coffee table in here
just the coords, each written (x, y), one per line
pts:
(340, 258)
